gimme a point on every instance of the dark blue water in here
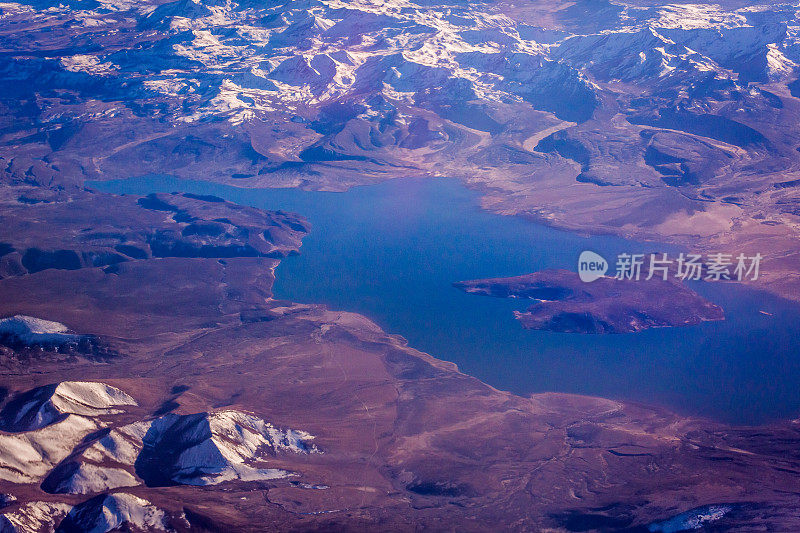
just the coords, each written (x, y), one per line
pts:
(391, 251)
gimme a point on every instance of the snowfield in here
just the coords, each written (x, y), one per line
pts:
(28, 457)
(46, 405)
(98, 515)
(197, 449)
(31, 330)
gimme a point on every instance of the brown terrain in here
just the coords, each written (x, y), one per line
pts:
(672, 123)
(407, 441)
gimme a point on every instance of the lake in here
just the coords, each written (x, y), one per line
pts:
(391, 251)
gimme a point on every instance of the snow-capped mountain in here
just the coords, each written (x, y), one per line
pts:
(33, 517)
(27, 457)
(46, 405)
(307, 92)
(244, 60)
(198, 449)
(66, 438)
(98, 515)
(43, 425)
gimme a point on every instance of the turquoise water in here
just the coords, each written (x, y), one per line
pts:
(391, 251)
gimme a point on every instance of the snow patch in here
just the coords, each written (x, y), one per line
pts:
(28, 457)
(694, 16)
(197, 449)
(33, 516)
(32, 330)
(87, 478)
(107, 513)
(43, 406)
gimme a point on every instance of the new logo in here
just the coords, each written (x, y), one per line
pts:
(591, 266)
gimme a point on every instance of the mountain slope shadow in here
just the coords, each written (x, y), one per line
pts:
(166, 439)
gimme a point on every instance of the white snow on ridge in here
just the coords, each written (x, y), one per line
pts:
(213, 448)
(50, 421)
(608, 54)
(778, 65)
(87, 63)
(28, 457)
(125, 5)
(31, 330)
(239, 37)
(195, 449)
(251, 433)
(237, 443)
(121, 445)
(32, 517)
(115, 510)
(208, 50)
(46, 405)
(89, 398)
(98, 515)
(8, 9)
(88, 478)
(694, 16)
(228, 100)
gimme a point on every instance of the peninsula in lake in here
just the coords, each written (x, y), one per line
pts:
(564, 303)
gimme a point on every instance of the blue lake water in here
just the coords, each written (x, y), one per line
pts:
(391, 251)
